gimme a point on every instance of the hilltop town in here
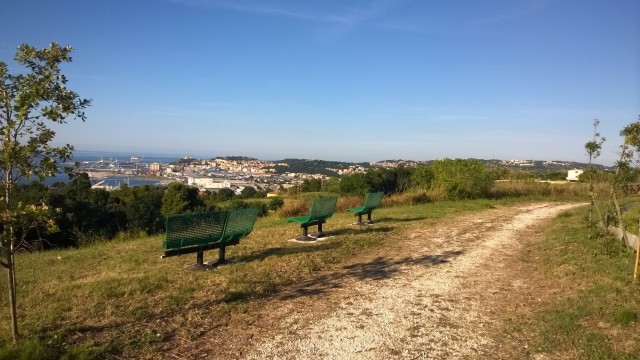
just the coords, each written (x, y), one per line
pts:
(238, 172)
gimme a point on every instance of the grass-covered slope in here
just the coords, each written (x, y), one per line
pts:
(120, 296)
(583, 303)
(121, 299)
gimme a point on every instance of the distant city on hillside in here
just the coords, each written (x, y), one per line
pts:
(112, 170)
(166, 164)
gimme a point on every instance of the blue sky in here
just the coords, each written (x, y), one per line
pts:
(359, 80)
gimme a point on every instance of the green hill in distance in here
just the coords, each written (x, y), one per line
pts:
(330, 168)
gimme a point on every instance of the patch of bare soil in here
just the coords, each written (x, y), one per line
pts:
(441, 293)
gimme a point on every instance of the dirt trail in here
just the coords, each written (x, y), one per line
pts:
(439, 295)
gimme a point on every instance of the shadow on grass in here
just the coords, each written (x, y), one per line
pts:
(401, 220)
(284, 251)
(360, 229)
(313, 246)
(378, 269)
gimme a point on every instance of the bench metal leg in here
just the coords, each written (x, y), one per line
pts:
(221, 258)
(305, 234)
(360, 222)
(320, 234)
(199, 265)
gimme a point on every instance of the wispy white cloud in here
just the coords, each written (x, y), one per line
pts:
(522, 10)
(341, 20)
(373, 11)
(265, 8)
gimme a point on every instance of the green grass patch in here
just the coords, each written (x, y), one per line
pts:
(595, 315)
(120, 298)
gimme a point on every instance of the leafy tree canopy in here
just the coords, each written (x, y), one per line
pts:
(27, 101)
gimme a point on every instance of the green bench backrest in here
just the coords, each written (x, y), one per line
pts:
(322, 208)
(184, 230)
(240, 223)
(373, 200)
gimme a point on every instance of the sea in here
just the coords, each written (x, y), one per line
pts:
(92, 155)
(121, 157)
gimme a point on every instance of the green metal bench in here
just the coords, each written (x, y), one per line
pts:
(321, 209)
(199, 232)
(371, 203)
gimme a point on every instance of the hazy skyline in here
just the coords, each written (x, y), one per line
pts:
(357, 80)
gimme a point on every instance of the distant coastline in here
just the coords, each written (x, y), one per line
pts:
(146, 157)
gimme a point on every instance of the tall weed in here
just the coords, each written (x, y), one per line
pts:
(346, 202)
(293, 207)
(509, 189)
(412, 197)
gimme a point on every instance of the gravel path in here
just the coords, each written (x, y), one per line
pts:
(437, 297)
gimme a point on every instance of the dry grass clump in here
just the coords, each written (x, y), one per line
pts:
(570, 190)
(414, 197)
(294, 207)
(345, 202)
(507, 189)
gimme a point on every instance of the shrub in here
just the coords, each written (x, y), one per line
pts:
(355, 184)
(276, 203)
(460, 179)
(422, 178)
(263, 208)
(293, 207)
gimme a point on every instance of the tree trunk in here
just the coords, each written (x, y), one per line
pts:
(11, 264)
(11, 275)
(614, 197)
(619, 213)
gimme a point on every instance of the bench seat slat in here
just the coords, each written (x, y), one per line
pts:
(240, 223)
(199, 232)
(197, 229)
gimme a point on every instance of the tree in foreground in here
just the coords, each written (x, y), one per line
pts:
(593, 147)
(623, 176)
(29, 101)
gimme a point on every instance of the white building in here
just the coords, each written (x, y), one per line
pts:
(574, 174)
(203, 182)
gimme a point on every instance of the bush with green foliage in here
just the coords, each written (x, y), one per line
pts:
(422, 177)
(598, 176)
(388, 181)
(224, 194)
(179, 198)
(311, 185)
(82, 213)
(248, 192)
(460, 179)
(141, 206)
(331, 185)
(276, 203)
(354, 184)
(263, 208)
